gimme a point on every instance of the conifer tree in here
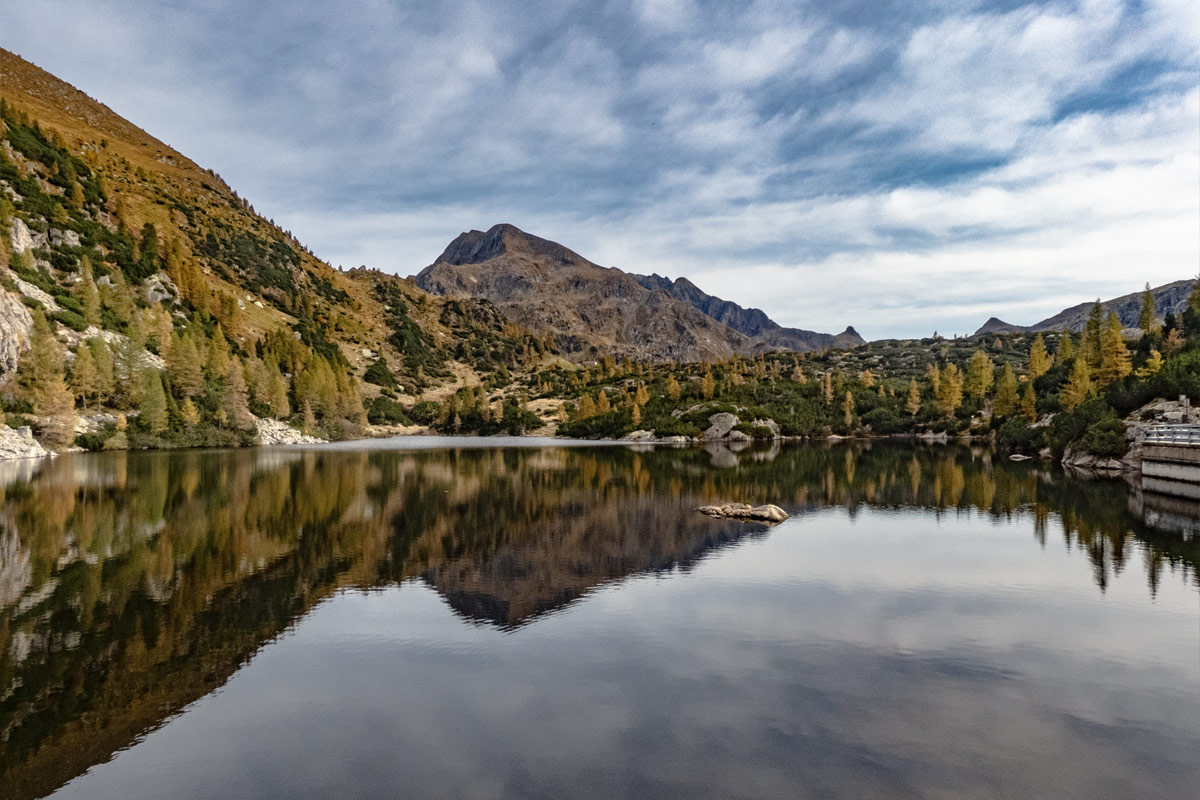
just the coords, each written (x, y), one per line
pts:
(1153, 364)
(602, 404)
(1089, 346)
(587, 409)
(87, 294)
(218, 354)
(277, 392)
(1148, 318)
(183, 367)
(950, 390)
(913, 406)
(673, 388)
(935, 378)
(84, 378)
(848, 409)
(188, 414)
(58, 410)
(1115, 361)
(154, 402)
(1078, 387)
(867, 378)
(1028, 407)
(234, 401)
(980, 375)
(708, 385)
(1039, 359)
(1066, 348)
(1006, 399)
(102, 356)
(635, 414)
(41, 363)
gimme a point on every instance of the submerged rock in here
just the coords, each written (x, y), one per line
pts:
(767, 513)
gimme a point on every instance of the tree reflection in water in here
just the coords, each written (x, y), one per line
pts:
(133, 583)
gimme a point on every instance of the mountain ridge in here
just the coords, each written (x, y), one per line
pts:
(1168, 298)
(592, 310)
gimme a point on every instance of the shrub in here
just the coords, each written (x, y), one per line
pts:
(71, 320)
(1016, 434)
(1105, 438)
(424, 412)
(383, 411)
(379, 374)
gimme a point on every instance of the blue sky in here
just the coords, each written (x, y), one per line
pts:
(899, 166)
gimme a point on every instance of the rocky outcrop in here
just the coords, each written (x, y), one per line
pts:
(1156, 412)
(274, 432)
(722, 427)
(19, 444)
(16, 325)
(1079, 459)
(767, 513)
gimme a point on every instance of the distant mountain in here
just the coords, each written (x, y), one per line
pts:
(1170, 297)
(750, 321)
(593, 311)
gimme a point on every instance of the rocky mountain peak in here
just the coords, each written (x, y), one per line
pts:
(476, 247)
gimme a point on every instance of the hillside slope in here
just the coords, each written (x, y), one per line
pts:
(114, 236)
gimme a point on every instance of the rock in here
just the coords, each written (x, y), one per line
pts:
(639, 436)
(767, 513)
(29, 290)
(272, 431)
(676, 439)
(719, 426)
(20, 444)
(738, 436)
(20, 237)
(16, 326)
(1019, 457)
(769, 424)
(160, 287)
(1081, 460)
(64, 238)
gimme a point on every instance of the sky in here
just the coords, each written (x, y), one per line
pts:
(899, 166)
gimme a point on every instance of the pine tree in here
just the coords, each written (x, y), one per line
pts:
(1006, 399)
(1039, 359)
(277, 392)
(154, 402)
(981, 373)
(84, 379)
(58, 410)
(1028, 407)
(87, 294)
(913, 406)
(935, 378)
(1115, 361)
(707, 385)
(602, 404)
(1078, 387)
(218, 354)
(848, 409)
(867, 378)
(635, 414)
(1148, 318)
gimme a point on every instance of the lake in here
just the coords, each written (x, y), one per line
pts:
(474, 620)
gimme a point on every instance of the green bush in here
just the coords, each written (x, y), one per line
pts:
(424, 412)
(91, 441)
(1105, 438)
(379, 374)
(1017, 435)
(71, 320)
(383, 411)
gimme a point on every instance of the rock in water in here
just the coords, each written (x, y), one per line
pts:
(767, 513)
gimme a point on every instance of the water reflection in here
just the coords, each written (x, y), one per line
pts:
(132, 584)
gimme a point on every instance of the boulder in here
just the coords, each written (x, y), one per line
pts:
(19, 444)
(719, 426)
(272, 432)
(742, 511)
(16, 326)
(639, 436)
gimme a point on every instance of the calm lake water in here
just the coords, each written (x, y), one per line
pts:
(556, 622)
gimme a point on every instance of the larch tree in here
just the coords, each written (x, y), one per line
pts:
(183, 367)
(913, 406)
(1115, 361)
(981, 373)
(1148, 318)
(848, 409)
(85, 380)
(707, 385)
(673, 389)
(234, 400)
(1028, 406)
(1039, 359)
(1153, 364)
(950, 390)
(41, 364)
(1066, 348)
(1090, 344)
(1078, 387)
(602, 404)
(1006, 399)
(154, 402)
(105, 381)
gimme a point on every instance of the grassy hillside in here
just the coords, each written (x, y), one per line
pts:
(114, 237)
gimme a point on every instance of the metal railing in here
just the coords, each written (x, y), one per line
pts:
(1174, 434)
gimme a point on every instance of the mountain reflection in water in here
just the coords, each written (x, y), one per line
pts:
(132, 584)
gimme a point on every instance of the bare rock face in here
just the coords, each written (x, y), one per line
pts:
(719, 426)
(19, 444)
(743, 511)
(16, 326)
(20, 237)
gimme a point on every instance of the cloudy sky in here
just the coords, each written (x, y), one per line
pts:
(899, 166)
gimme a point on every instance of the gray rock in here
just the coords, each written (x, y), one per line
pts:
(274, 432)
(16, 326)
(719, 426)
(19, 443)
(767, 513)
(639, 436)
(20, 237)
